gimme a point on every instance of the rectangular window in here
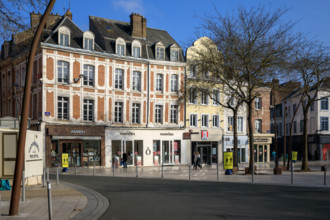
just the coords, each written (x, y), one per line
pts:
(174, 83)
(174, 114)
(215, 121)
(279, 129)
(216, 97)
(294, 106)
(193, 120)
(294, 127)
(174, 55)
(240, 124)
(205, 120)
(135, 113)
(119, 112)
(136, 81)
(119, 79)
(192, 70)
(89, 72)
(192, 96)
(312, 106)
(88, 109)
(62, 71)
(230, 100)
(324, 123)
(258, 126)
(159, 53)
(230, 123)
(205, 74)
(136, 52)
(159, 114)
(120, 49)
(257, 102)
(159, 82)
(88, 44)
(204, 97)
(64, 39)
(324, 103)
(301, 125)
(62, 107)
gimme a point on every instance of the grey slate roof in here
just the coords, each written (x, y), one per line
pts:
(107, 31)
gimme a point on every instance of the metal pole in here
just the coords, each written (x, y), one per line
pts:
(189, 171)
(94, 170)
(325, 174)
(162, 170)
(75, 169)
(113, 168)
(291, 173)
(218, 171)
(44, 178)
(253, 173)
(49, 192)
(14, 202)
(47, 174)
(57, 176)
(23, 187)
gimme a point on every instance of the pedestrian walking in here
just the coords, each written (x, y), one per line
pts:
(198, 163)
(194, 163)
(125, 160)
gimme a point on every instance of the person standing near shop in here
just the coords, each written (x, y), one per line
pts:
(125, 159)
(198, 163)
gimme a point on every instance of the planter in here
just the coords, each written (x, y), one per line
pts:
(278, 171)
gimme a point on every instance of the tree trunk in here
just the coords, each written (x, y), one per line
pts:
(304, 165)
(275, 139)
(250, 112)
(284, 134)
(235, 138)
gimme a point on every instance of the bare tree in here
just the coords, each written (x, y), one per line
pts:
(13, 15)
(310, 64)
(251, 44)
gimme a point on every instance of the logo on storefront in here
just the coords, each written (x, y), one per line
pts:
(205, 135)
(34, 151)
(167, 134)
(128, 133)
(78, 132)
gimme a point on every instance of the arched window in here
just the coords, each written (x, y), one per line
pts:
(136, 49)
(120, 46)
(160, 51)
(64, 36)
(175, 53)
(88, 40)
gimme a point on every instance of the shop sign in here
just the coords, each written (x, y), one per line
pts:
(78, 132)
(228, 160)
(167, 134)
(34, 151)
(205, 135)
(186, 135)
(128, 133)
(294, 155)
(65, 160)
(260, 140)
(324, 153)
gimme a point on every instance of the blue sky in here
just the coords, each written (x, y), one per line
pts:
(181, 17)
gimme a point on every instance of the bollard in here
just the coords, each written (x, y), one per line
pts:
(0, 206)
(75, 169)
(189, 171)
(162, 170)
(325, 174)
(137, 174)
(44, 178)
(94, 170)
(57, 176)
(23, 186)
(47, 174)
(253, 173)
(49, 192)
(291, 173)
(218, 171)
(113, 169)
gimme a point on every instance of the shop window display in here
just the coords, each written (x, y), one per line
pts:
(91, 153)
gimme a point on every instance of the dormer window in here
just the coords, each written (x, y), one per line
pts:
(64, 36)
(120, 46)
(88, 41)
(160, 51)
(136, 49)
(174, 53)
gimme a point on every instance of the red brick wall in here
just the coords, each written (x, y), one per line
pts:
(76, 106)
(166, 112)
(76, 70)
(100, 109)
(50, 103)
(128, 78)
(101, 75)
(110, 108)
(50, 68)
(127, 111)
(110, 76)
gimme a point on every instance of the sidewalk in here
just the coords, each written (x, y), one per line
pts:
(69, 202)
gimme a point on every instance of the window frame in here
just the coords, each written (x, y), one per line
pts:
(88, 106)
(258, 129)
(65, 75)
(159, 114)
(204, 97)
(195, 116)
(64, 35)
(323, 125)
(160, 52)
(324, 104)
(62, 104)
(257, 103)
(159, 82)
(174, 114)
(136, 112)
(174, 83)
(136, 82)
(120, 47)
(215, 121)
(136, 45)
(193, 96)
(216, 93)
(230, 122)
(89, 70)
(205, 120)
(119, 108)
(119, 78)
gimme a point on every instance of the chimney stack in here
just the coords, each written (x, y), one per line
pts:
(138, 26)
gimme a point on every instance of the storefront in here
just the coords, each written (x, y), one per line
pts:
(85, 145)
(208, 144)
(144, 147)
(262, 144)
(242, 147)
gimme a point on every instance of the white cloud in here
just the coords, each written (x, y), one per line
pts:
(129, 5)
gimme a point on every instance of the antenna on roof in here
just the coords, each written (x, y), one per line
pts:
(69, 5)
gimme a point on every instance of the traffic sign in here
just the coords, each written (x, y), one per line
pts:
(228, 160)
(294, 155)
